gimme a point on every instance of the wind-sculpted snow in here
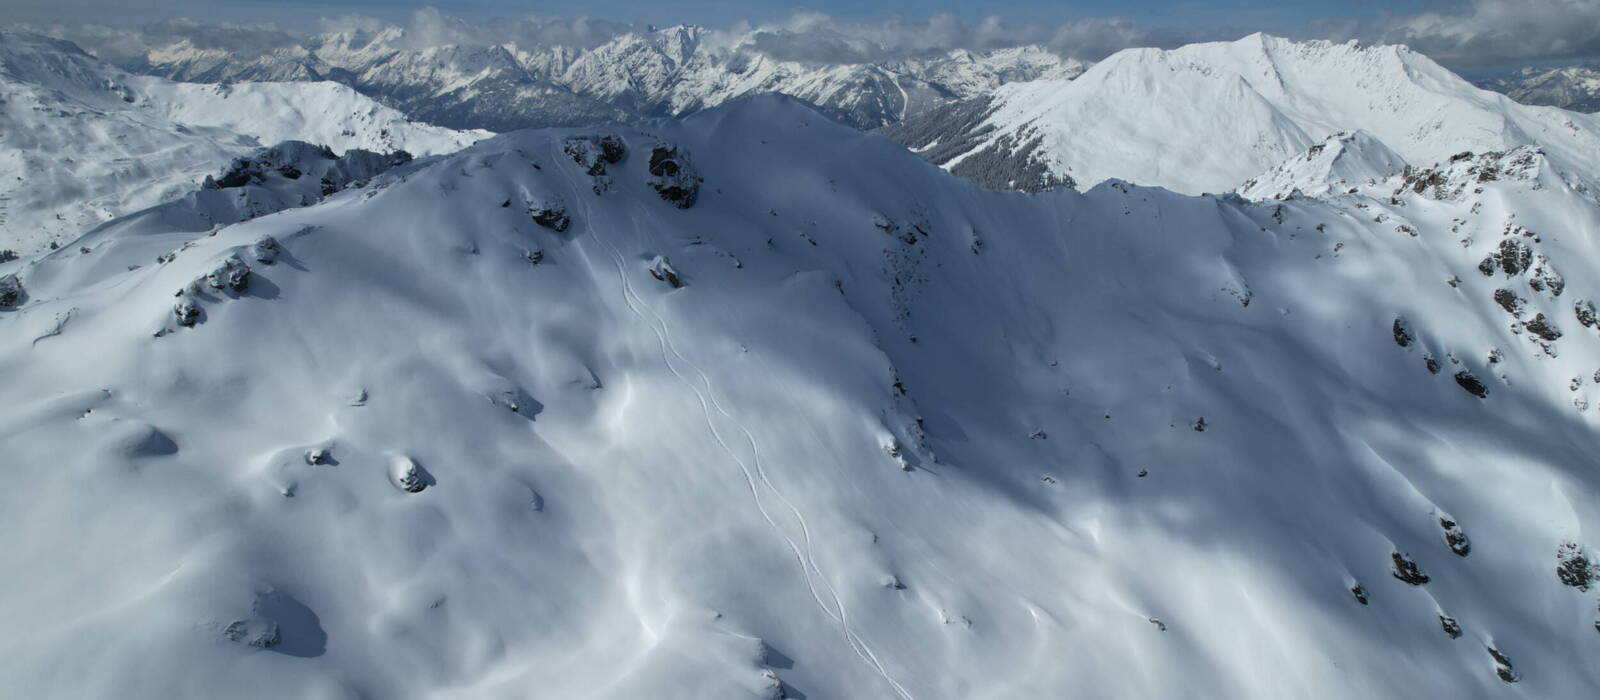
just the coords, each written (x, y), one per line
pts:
(847, 427)
(1206, 117)
(82, 142)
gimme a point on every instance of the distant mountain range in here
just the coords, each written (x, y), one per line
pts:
(82, 142)
(1571, 87)
(664, 72)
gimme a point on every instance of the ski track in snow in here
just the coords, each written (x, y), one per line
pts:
(855, 640)
(707, 399)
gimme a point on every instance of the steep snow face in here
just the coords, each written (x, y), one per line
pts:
(665, 72)
(82, 142)
(843, 427)
(1204, 117)
(1336, 164)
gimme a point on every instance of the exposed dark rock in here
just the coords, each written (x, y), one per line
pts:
(661, 269)
(1515, 257)
(256, 633)
(186, 312)
(1360, 593)
(1574, 568)
(409, 476)
(240, 173)
(1407, 570)
(1431, 362)
(1586, 313)
(1543, 328)
(231, 274)
(1450, 626)
(550, 215)
(12, 294)
(1402, 334)
(1543, 278)
(1200, 424)
(594, 153)
(1471, 384)
(1455, 537)
(1508, 300)
(266, 250)
(1502, 666)
(672, 177)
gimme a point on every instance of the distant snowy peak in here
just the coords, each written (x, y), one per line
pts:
(668, 71)
(1335, 162)
(186, 62)
(1572, 87)
(86, 142)
(1205, 117)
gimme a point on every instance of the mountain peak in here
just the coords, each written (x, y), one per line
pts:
(1337, 163)
(1156, 116)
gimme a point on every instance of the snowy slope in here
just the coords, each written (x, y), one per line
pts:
(844, 427)
(82, 142)
(1158, 117)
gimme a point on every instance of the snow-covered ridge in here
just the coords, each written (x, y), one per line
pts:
(1206, 117)
(82, 142)
(844, 426)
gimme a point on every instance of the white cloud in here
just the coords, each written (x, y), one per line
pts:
(1490, 31)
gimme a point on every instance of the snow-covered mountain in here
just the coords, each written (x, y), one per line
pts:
(1335, 165)
(670, 71)
(1206, 117)
(82, 142)
(1570, 87)
(752, 404)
